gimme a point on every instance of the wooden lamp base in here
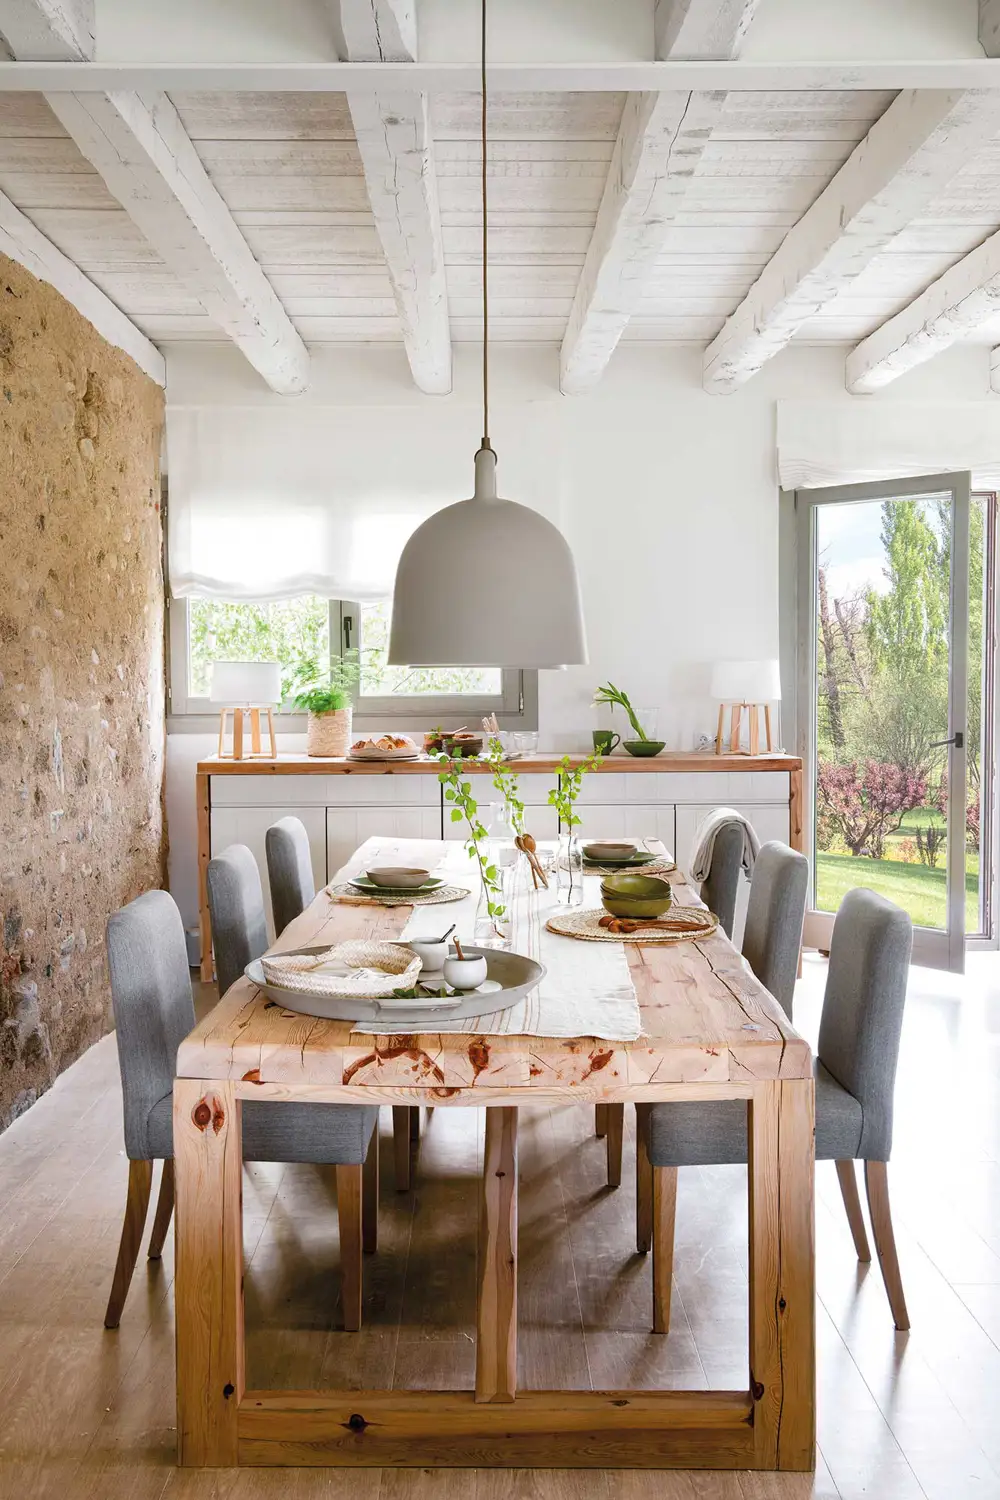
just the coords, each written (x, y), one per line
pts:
(239, 750)
(736, 726)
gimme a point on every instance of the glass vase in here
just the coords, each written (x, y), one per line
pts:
(569, 871)
(489, 931)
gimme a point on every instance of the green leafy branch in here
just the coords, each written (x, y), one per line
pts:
(564, 794)
(458, 792)
(617, 699)
(506, 782)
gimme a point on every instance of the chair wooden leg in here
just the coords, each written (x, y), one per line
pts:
(349, 1196)
(643, 1185)
(164, 1209)
(877, 1189)
(852, 1203)
(664, 1209)
(401, 1146)
(615, 1119)
(140, 1180)
(369, 1197)
(600, 1121)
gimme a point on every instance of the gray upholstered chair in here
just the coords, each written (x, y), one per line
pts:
(772, 937)
(154, 1011)
(236, 908)
(289, 871)
(720, 890)
(855, 1076)
(772, 934)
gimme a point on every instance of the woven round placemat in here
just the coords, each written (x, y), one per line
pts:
(656, 867)
(685, 924)
(350, 897)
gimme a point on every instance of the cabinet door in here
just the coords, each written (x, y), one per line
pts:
(249, 825)
(348, 827)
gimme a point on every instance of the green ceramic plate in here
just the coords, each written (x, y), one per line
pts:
(362, 883)
(641, 857)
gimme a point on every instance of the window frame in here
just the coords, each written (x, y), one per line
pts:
(516, 706)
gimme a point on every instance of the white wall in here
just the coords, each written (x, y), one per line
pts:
(668, 496)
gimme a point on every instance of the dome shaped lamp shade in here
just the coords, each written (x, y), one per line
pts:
(487, 583)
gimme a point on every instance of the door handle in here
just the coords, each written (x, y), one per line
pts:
(957, 739)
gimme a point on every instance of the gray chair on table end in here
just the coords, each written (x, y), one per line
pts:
(855, 1073)
(154, 1011)
(289, 871)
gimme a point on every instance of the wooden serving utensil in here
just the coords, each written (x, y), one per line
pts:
(624, 925)
(527, 846)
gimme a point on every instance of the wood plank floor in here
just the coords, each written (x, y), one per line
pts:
(89, 1415)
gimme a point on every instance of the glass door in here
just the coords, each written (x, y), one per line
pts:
(883, 598)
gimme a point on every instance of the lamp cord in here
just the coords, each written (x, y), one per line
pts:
(486, 307)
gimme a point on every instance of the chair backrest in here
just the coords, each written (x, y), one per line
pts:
(719, 891)
(863, 1009)
(289, 870)
(153, 1005)
(236, 906)
(775, 913)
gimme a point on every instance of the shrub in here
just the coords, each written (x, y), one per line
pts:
(866, 801)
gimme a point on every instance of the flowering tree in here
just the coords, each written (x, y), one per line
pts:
(971, 810)
(866, 801)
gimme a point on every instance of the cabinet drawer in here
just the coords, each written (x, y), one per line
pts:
(348, 827)
(269, 791)
(249, 825)
(631, 821)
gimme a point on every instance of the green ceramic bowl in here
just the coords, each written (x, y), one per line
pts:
(635, 895)
(644, 747)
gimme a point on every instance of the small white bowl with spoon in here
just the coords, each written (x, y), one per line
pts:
(432, 952)
(464, 972)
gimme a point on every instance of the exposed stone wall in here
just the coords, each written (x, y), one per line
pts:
(81, 673)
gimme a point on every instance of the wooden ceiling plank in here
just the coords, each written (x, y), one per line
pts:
(23, 242)
(660, 141)
(140, 149)
(908, 156)
(954, 307)
(397, 154)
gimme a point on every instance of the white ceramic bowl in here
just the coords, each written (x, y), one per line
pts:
(398, 878)
(464, 973)
(431, 955)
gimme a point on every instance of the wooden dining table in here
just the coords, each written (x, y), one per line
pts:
(709, 1031)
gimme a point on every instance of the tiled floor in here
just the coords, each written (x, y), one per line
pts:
(85, 1413)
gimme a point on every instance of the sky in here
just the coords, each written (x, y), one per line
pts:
(850, 547)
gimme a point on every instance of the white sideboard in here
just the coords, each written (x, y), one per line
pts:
(340, 806)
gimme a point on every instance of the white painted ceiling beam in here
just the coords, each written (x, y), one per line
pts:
(21, 241)
(660, 142)
(397, 154)
(908, 156)
(952, 308)
(49, 30)
(142, 151)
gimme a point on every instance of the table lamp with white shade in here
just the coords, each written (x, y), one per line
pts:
(244, 688)
(745, 685)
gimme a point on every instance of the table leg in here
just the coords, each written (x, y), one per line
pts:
(208, 1184)
(496, 1331)
(782, 1295)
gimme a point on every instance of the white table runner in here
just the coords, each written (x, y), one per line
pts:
(587, 989)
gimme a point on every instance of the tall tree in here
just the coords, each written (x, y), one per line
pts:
(829, 685)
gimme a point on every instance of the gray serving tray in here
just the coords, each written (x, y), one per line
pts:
(516, 974)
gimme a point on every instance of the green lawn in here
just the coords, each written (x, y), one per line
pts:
(919, 891)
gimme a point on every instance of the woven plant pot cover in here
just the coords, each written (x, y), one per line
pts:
(329, 734)
(683, 924)
(350, 897)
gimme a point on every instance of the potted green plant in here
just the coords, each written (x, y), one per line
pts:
(327, 698)
(643, 743)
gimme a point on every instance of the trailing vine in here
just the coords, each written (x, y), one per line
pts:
(458, 792)
(506, 782)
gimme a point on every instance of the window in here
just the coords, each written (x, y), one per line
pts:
(310, 627)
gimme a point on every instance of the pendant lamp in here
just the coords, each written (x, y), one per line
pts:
(486, 582)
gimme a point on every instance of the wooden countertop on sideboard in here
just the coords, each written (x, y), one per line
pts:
(669, 760)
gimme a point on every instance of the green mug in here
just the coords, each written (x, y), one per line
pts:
(605, 741)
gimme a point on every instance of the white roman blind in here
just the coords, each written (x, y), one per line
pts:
(270, 501)
(860, 439)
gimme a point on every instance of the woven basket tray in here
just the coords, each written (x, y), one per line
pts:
(682, 924)
(300, 971)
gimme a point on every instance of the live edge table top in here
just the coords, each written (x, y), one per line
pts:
(706, 1022)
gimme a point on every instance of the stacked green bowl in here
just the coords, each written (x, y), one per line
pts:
(629, 895)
